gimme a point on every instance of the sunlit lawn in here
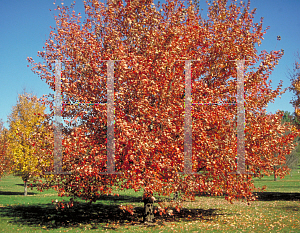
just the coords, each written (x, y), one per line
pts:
(276, 212)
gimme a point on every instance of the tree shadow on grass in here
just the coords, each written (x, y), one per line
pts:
(120, 198)
(266, 196)
(29, 185)
(291, 208)
(45, 215)
(277, 196)
(15, 193)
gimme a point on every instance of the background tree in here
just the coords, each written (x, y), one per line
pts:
(295, 87)
(292, 158)
(149, 98)
(5, 160)
(24, 123)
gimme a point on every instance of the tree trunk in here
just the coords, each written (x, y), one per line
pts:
(258, 173)
(275, 178)
(148, 208)
(176, 194)
(25, 188)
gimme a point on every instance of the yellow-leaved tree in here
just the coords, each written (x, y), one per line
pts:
(5, 160)
(25, 122)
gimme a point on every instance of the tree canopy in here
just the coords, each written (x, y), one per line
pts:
(5, 160)
(151, 46)
(25, 123)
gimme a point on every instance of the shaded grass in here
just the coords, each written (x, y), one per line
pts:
(273, 212)
(97, 214)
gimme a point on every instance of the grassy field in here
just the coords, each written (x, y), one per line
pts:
(277, 210)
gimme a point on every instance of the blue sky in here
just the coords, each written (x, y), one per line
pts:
(25, 26)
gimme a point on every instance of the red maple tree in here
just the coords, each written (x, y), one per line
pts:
(149, 100)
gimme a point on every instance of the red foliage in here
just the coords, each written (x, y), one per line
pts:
(149, 104)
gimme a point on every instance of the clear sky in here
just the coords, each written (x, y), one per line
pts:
(25, 26)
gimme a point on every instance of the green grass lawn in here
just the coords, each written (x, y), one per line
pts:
(290, 183)
(278, 210)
